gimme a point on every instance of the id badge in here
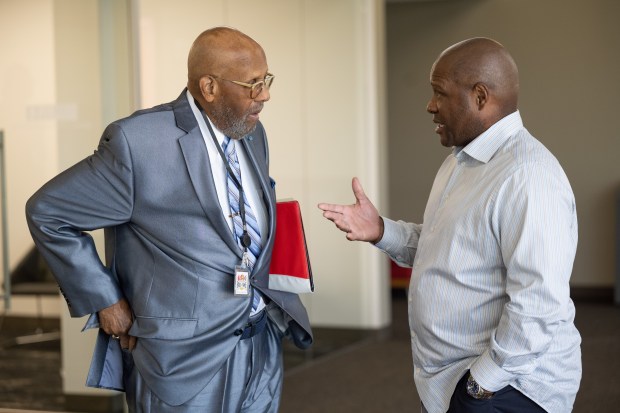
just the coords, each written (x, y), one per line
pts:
(242, 280)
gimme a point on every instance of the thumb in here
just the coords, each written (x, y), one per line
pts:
(358, 191)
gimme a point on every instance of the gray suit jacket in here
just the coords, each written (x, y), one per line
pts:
(169, 250)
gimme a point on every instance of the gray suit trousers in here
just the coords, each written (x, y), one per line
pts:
(250, 381)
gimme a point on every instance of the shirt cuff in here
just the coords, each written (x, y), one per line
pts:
(489, 375)
(392, 237)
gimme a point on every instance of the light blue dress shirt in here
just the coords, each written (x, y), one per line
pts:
(491, 266)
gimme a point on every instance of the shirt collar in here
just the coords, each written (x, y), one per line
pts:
(219, 135)
(488, 143)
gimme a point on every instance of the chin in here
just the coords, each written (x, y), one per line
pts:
(446, 142)
(251, 128)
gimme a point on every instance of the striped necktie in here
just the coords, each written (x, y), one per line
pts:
(253, 252)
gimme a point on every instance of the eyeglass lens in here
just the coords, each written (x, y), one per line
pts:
(257, 87)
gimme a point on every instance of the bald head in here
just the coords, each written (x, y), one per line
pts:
(218, 51)
(485, 61)
(475, 84)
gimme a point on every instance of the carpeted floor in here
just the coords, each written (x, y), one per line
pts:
(346, 371)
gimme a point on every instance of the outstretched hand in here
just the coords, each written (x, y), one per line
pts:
(360, 221)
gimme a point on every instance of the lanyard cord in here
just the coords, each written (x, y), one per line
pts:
(246, 241)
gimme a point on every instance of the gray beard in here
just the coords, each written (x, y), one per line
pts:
(233, 127)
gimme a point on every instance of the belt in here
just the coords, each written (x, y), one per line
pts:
(255, 326)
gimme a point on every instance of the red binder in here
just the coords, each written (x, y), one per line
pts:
(290, 264)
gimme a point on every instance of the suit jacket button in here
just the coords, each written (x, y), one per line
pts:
(238, 332)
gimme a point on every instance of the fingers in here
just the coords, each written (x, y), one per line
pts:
(358, 191)
(338, 220)
(358, 221)
(116, 320)
(336, 217)
(124, 342)
(132, 342)
(331, 207)
(128, 342)
(332, 216)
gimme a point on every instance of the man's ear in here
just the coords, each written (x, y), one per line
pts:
(481, 93)
(208, 88)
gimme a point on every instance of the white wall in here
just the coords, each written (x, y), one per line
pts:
(28, 115)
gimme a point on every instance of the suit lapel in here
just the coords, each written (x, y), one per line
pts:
(199, 169)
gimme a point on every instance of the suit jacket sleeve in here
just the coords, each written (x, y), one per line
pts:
(95, 193)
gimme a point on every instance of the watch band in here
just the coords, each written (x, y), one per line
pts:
(476, 391)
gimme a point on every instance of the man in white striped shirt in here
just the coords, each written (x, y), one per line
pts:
(489, 308)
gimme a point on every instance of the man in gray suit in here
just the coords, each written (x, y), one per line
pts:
(184, 195)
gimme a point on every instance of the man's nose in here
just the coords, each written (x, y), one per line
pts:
(431, 107)
(264, 95)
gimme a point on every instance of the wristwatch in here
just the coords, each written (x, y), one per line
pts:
(477, 392)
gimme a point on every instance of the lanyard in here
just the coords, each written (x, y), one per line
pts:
(245, 239)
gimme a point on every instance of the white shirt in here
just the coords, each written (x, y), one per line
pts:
(491, 266)
(218, 168)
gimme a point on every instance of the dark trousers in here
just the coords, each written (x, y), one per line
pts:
(506, 400)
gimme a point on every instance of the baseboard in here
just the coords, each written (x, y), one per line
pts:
(27, 323)
(111, 403)
(600, 295)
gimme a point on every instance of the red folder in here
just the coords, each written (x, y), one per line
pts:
(290, 264)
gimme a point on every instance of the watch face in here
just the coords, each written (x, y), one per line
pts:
(472, 387)
(475, 391)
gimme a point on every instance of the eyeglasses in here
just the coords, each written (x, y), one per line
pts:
(256, 88)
